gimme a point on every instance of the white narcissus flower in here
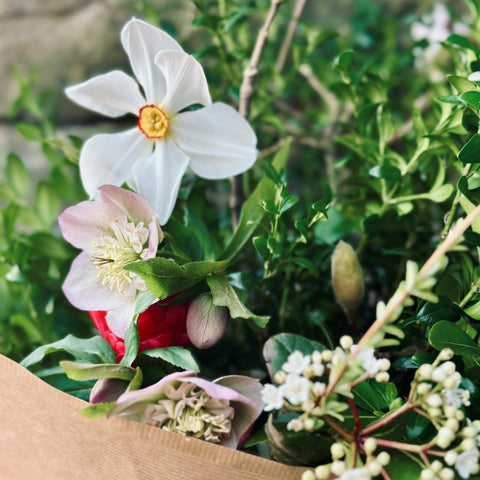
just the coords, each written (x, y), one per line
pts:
(120, 229)
(214, 141)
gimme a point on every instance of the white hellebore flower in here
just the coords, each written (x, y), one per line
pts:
(215, 141)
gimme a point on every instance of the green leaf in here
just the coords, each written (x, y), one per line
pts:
(461, 84)
(224, 295)
(71, 153)
(131, 345)
(29, 131)
(470, 152)
(47, 203)
(277, 349)
(447, 335)
(17, 175)
(164, 277)
(432, 312)
(472, 99)
(440, 194)
(252, 213)
(91, 350)
(86, 371)
(375, 397)
(462, 186)
(472, 237)
(387, 172)
(300, 448)
(260, 244)
(461, 41)
(402, 466)
(178, 356)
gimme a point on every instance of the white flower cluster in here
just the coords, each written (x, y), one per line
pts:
(303, 379)
(372, 467)
(442, 398)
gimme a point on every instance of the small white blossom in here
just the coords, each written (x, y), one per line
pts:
(296, 389)
(451, 457)
(474, 77)
(467, 463)
(446, 474)
(295, 424)
(272, 397)
(296, 363)
(456, 397)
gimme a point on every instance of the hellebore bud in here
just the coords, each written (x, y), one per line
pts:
(206, 322)
(347, 278)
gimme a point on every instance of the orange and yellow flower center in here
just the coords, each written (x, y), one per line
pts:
(153, 121)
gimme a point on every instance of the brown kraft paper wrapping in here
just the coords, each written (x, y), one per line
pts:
(43, 437)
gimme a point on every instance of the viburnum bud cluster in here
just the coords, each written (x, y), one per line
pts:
(303, 379)
(372, 467)
(439, 394)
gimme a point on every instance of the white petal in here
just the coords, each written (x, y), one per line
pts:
(158, 177)
(112, 94)
(120, 319)
(142, 41)
(219, 142)
(84, 290)
(185, 80)
(108, 158)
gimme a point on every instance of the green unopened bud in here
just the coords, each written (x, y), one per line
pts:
(347, 278)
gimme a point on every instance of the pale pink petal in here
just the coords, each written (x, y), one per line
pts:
(142, 41)
(158, 177)
(245, 412)
(112, 94)
(108, 158)
(135, 207)
(119, 319)
(87, 222)
(84, 290)
(133, 402)
(219, 142)
(185, 81)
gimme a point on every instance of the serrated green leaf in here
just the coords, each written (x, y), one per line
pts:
(224, 295)
(164, 277)
(178, 356)
(448, 335)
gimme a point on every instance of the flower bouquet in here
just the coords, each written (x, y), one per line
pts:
(277, 280)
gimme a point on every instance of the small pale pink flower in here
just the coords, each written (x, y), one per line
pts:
(120, 229)
(222, 411)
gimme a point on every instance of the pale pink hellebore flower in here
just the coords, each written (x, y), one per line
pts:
(119, 229)
(214, 141)
(222, 411)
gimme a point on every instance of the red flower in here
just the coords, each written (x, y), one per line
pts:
(158, 326)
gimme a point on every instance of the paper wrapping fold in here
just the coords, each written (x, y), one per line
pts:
(43, 437)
